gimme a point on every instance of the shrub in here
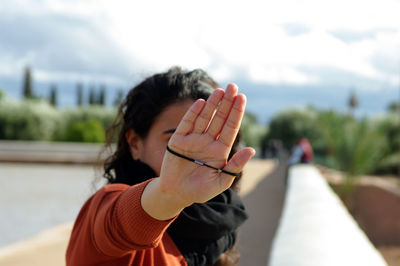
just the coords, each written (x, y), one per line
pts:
(34, 119)
(334, 128)
(362, 149)
(27, 120)
(252, 131)
(389, 127)
(339, 141)
(101, 115)
(85, 131)
(292, 125)
(356, 147)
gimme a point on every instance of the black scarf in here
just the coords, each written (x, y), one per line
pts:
(202, 232)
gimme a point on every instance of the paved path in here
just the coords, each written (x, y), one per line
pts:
(264, 205)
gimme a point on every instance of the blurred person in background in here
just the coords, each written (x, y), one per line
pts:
(302, 153)
(171, 197)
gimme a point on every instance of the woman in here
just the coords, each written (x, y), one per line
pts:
(169, 200)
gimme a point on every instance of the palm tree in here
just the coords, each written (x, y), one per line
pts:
(353, 102)
(354, 147)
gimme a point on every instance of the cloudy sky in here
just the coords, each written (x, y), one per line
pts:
(281, 53)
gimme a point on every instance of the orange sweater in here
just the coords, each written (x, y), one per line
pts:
(113, 229)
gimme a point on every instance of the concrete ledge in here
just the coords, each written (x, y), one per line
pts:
(315, 227)
(49, 152)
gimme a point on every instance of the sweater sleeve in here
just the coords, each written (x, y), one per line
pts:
(121, 225)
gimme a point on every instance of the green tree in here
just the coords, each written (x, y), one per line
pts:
(353, 102)
(92, 96)
(394, 107)
(354, 147)
(119, 98)
(389, 126)
(292, 125)
(252, 131)
(86, 131)
(27, 84)
(28, 120)
(360, 151)
(53, 95)
(102, 95)
(79, 94)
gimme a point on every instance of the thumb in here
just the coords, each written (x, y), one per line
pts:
(237, 163)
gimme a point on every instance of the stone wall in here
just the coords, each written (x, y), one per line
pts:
(377, 211)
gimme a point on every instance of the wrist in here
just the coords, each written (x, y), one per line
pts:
(160, 203)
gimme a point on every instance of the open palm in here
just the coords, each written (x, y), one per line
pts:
(206, 133)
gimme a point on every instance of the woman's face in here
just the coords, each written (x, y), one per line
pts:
(151, 149)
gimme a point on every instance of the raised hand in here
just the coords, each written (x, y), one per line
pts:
(206, 133)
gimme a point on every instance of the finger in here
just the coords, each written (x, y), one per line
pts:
(232, 124)
(236, 164)
(188, 120)
(206, 114)
(223, 111)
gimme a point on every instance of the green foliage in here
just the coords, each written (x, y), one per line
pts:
(334, 128)
(360, 150)
(38, 120)
(27, 120)
(83, 114)
(102, 95)
(79, 94)
(292, 125)
(85, 131)
(97, 97)
(28, 86)
(390, 164)
(389, 127)
(338, 140)
(53, 95)
(394, 107)
(355, 147)
(353, 101)
(92, 96)
(119, 98)
(252, 131)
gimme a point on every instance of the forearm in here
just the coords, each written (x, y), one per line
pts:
(121, 224)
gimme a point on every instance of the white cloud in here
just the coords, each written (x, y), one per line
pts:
(253, 36)
(280, 75)
(51, 76)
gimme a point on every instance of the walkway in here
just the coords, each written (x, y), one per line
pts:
(264, 205)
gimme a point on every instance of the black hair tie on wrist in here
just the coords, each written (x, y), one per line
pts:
(201, 163)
